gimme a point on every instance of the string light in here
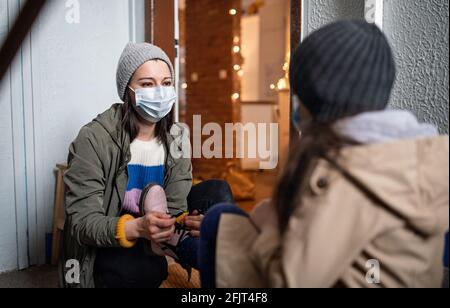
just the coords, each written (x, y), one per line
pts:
(184, 86)
(236, 49)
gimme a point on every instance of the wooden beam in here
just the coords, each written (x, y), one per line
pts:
(21, 27)
(296, 23)
(296, 33)
(160, 25)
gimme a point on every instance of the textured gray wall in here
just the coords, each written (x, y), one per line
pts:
(321, 12)
(418, 31)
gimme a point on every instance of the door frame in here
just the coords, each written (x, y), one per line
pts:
(163, 16)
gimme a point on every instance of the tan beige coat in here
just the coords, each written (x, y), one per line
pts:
(338, 229)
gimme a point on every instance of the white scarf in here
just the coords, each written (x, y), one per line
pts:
(384, 127)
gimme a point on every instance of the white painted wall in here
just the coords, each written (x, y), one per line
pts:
(8, 238)
(251, 36)
(13, 206)
(263, 49)
(273, 53)
(258, 114)
(264, 42)
(62, 78)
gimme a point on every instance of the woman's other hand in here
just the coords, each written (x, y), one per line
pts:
(194, 223)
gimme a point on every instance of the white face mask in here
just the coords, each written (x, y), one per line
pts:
(155, 103)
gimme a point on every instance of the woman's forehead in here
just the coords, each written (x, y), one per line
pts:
(156, 69)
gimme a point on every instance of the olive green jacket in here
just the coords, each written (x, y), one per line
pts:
(96, 181)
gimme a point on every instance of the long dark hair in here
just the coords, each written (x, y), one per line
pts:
(318, 140)
(131, 119)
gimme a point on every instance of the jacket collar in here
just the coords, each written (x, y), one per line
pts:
(111, 121)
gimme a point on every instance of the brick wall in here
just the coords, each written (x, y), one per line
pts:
(209, 31)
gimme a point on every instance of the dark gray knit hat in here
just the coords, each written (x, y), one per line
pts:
(343, 69)
(133, 56)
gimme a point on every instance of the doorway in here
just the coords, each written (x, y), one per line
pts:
(232, 58)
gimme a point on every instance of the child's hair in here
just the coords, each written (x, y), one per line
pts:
(318, 141)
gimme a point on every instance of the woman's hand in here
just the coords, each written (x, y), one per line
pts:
(194, 223)
(155, 226)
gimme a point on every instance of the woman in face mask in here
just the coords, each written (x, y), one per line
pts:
(130, 200)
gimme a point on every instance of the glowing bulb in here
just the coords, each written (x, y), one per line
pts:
(236, 49)
(236, 39)
(235, 96)
(233, 12)
(272, 87)
(237, 67)
(184, 86)
(241, 73)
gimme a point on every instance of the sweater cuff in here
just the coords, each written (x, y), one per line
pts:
(121, 234)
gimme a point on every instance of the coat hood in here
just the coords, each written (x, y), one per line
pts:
(411, 177)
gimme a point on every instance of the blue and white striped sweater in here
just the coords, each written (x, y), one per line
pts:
(147, 166)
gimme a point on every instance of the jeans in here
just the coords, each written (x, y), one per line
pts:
(133, 268)
(208, 242)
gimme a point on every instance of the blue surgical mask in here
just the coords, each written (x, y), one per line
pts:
(155, 103)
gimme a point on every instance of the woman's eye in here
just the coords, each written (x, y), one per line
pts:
(167, 84)
(148, 85)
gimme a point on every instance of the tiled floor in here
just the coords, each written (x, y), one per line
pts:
(47, 277)
(35, 277)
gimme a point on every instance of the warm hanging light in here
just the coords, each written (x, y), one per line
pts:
(235, 96)
(236, 49)
(237, 67)
(241, 73)
(184, 86)
(236, 40)
(282, 84)
(233, 12)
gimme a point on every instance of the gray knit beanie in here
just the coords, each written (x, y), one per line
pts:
(133, 56)
(343, 69)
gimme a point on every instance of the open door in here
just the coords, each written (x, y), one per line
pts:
(228, 75)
